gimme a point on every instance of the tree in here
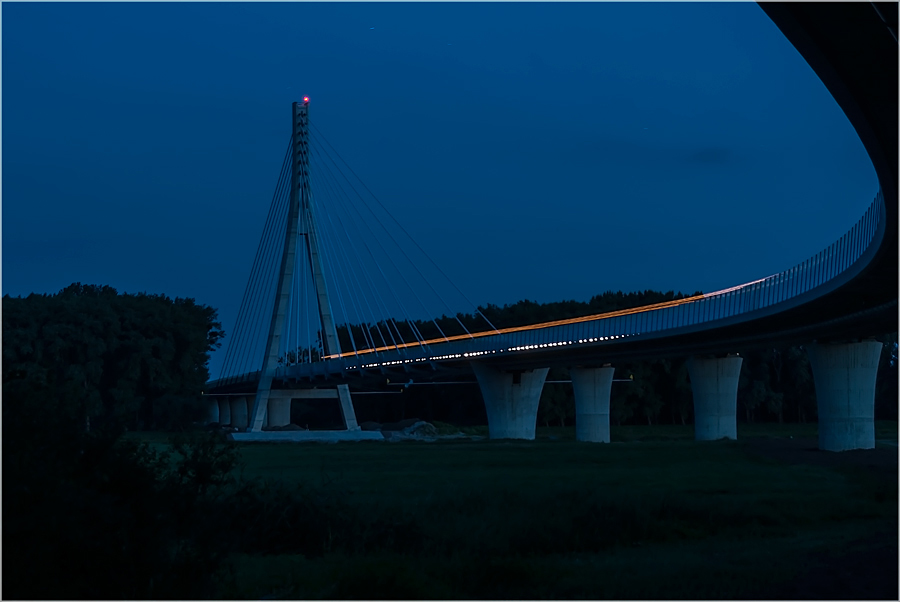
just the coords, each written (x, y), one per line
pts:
(886, 381)
(622, 404)
(107, 358)
(91, 514)
(797, 384)
(644, 391)
(557, 401)
(751, 395)
(683, 397)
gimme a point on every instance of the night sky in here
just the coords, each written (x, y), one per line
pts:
(539, 151)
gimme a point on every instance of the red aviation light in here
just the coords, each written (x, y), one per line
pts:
(306, 99)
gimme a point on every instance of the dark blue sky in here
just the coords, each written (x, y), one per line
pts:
(540, 151)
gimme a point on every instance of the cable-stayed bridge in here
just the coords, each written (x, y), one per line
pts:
(341, 295)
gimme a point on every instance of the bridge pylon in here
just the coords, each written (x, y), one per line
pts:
(300, 225)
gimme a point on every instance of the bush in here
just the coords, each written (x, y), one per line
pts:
(444, 428)
(118, 521)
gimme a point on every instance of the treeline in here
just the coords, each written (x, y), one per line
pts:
(96, 357)
(485, 318)
(528, 312)
(87, 512)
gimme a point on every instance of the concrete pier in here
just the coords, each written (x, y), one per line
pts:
(592, 387)
(714, 383)
(212, 410)
(224, 411)
(511, 400)
(278, 412)
(844, 376)
(239, 413)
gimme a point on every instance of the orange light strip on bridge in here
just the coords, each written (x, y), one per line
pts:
(487, 333)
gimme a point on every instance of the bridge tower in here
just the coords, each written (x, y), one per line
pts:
(300, 225)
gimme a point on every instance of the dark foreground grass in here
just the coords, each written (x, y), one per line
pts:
(653, 464)
(705, 569)
(654, 515)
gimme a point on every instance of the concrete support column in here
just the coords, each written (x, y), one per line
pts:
(279, 412)
(714, 383)
(224, 411)
(844, 376)
(511, 400)
(239, 413)
(347, 408)
(212, 410)
(592, 387)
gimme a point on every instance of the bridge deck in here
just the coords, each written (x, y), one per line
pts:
(590, 338)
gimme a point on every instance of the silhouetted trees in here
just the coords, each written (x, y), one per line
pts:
(91, 514)
(389, 332)
(94, 356)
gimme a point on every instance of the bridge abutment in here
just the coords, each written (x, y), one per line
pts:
(511, 400)
(592, 387)
(714, 384)
(844, 377)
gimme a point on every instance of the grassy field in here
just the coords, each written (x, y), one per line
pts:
(375, 471)
(709, 569)
(653, 514)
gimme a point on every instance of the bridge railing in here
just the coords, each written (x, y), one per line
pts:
(817, 271)
(820, 270)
